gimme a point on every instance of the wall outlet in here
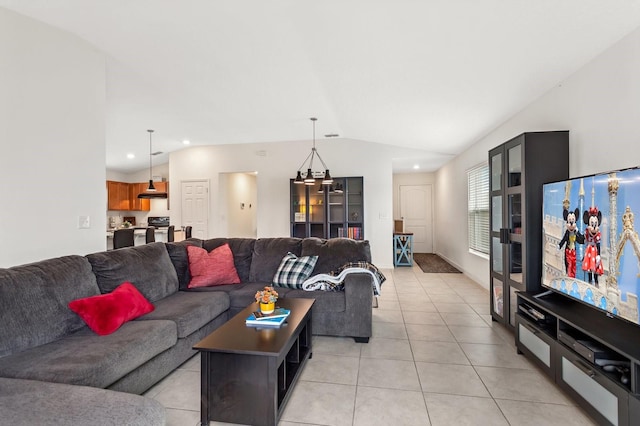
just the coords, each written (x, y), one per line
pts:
(84, 222)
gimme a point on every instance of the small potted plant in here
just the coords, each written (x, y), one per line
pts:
(267, 299)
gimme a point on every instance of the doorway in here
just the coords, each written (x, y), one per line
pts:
(195, 207)
(239, 204)
(416, 208)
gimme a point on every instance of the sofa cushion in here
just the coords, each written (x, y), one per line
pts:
(267, 254)
(294, 270)
(148, 267)
(105, 313)
(242, 249)
(335, 252)
(213, 268)
(84, 358)
(180, 259)
(240, 295)
(326, 301)
(189, 310)
(31, 402)
(34, 299)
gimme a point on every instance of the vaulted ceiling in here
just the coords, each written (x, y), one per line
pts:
(435, 75)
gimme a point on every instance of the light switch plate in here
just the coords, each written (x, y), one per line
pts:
(84, 222)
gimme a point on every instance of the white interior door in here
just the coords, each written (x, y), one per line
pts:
(416, 208)
(195, 207)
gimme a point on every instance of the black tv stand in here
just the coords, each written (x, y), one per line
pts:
(593, 357)
(543, 294)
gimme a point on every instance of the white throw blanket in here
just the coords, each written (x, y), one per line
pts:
(330, 282)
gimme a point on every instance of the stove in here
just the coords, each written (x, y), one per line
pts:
(158, 221)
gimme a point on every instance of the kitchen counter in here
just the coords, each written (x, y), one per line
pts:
(139, 236)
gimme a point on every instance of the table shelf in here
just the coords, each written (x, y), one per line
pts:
(403, 249)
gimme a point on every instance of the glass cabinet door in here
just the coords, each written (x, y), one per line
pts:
(337, 211)
(299, 210)
(336, 202)
(515, 165)
(497, 298)
(496, 172)
(497, 248)
(316, 203)
(354, 201)
(496, 213)
(317, 210)
(328, 211)
(515, 232)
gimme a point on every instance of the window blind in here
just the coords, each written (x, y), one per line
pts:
(478, 208)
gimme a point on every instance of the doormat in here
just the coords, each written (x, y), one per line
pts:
(432, 263)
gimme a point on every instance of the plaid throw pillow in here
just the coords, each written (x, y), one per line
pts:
(293, 270)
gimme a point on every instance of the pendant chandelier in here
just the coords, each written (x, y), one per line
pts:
(309, 178)
(151, 191)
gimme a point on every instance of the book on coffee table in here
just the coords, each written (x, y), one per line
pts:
(274, 319)
(277, 313)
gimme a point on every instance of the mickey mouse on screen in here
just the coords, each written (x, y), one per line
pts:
(571, 236)
(591, 263)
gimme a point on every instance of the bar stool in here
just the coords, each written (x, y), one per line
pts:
(171, 234)
(123, 238)
(150, 235)
(187, 232)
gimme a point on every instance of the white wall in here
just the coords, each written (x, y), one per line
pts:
(238, 199)
(599, 105)
(52, 127)
(344, 157)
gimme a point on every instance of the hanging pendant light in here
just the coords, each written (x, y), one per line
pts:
(309, 179)
(151, 191)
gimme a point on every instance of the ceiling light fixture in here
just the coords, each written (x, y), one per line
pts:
(309, 179)
(151, 191)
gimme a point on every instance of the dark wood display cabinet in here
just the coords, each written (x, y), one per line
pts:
(328, 211)
(593, 357)
(517, 170)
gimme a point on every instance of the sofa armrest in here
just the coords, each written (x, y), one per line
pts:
(358, 288)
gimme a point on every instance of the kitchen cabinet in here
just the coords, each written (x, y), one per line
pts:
(517, 170)
(160, 186)
(138, 204)
(118, 195)
(123, 196)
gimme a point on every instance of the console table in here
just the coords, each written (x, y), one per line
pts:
(403, 249)
(248, 372)
(591, 356)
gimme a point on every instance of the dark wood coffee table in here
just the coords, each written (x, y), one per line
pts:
(248, 373)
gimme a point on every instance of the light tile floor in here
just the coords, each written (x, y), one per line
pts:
(435, 358)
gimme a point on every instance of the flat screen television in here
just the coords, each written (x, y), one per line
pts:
(604, 268)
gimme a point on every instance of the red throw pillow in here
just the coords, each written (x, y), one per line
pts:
(213, 268)
(105, 313)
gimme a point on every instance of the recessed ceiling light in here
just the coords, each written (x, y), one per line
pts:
(131, 156)
(186, 142)
(416, 167)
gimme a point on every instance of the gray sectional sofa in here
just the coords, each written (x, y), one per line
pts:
(47, 350)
